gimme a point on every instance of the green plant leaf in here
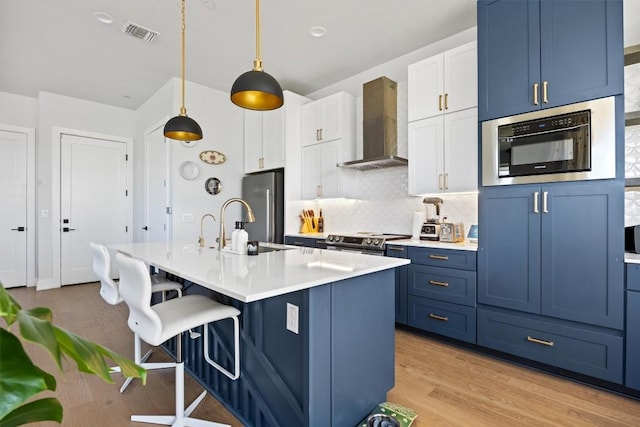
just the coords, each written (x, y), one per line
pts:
(8, 306)
(47, 409)
(20, 379)
(90, 357)
(36, 326)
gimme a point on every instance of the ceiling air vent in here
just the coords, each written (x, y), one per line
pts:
(140, 32)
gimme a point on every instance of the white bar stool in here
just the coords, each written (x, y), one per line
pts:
(110, 293)
(157, 323)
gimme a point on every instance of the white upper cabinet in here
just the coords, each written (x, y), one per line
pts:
(263, 140)
(443, 83)
(443, 153)
(328, 119)
(328, 138)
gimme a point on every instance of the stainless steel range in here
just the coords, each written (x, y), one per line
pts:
(364, 243)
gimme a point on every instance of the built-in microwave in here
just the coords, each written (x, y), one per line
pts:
(568, 143)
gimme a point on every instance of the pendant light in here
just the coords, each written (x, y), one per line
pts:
(255, 89)
(181, 127)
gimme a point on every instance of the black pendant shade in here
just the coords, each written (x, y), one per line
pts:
(257, 90)
(183, 128)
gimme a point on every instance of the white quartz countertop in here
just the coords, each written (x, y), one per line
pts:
(251, 278)
(632, 258)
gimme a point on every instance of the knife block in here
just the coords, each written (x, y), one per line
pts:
(309, 225)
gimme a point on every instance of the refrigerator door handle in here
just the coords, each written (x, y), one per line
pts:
(268, 214)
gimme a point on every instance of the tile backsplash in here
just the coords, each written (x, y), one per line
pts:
(632, 143)
(378, 199)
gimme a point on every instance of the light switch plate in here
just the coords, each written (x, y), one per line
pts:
(292, 318)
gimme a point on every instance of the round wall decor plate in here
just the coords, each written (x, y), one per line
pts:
(189, 170)
(212, 157)
(213, 185)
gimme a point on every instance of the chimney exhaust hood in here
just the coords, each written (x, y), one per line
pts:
(379, 127)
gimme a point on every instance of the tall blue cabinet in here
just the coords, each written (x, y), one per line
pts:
(551, 255)
(545, 53)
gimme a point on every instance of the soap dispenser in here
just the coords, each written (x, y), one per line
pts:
(239, 239)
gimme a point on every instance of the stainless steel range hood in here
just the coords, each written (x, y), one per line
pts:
(379, 127)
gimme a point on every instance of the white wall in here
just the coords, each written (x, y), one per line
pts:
(18, 110)
(71, 113)
(222, 127)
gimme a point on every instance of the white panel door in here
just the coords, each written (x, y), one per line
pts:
(13, 208)
(93, 202)
(461, 150)
(426, 174)
(156, 187)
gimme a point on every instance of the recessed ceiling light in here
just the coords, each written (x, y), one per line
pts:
(103, 17)
(209, 4)
(317, 31)
(126, 96)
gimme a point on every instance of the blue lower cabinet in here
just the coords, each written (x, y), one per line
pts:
(632, 378)
(585, 350)
(444, 284)
(307, 242)
(451, 320)
(398, 251)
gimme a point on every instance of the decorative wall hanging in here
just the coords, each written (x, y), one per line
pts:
(212, 157)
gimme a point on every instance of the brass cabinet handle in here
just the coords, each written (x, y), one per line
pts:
(440, 181)
(535, 93)
(439, 102)
(535, 202)
(435, 316)
(544, 202)
(319, 190)
(538, 341)
(446, 181)
(436, 283)
(395, 248)
(544, 92)
(317, 134)
(321, 137)
(441, 257)
(446, 101)
(261, 163)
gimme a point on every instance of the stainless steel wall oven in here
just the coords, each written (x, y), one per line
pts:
(568, 143)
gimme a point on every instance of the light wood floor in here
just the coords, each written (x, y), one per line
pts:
(445, 385)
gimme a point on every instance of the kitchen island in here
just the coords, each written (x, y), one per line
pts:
(317, 329)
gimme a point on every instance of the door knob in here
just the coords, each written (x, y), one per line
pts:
(145, 228)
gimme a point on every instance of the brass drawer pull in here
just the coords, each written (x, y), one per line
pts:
(436, 283)
(545, 99)
(395, 248)
(535, 93)
(440, 257)
(446, 101)
(435, 316)
(439, 102)
(543, 342)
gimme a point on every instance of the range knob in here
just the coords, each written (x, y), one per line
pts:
(368, 241)
(330, 238)
(376, 242)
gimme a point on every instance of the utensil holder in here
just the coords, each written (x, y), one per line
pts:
(309, 225)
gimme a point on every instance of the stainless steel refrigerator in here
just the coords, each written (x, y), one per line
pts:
(265, 194)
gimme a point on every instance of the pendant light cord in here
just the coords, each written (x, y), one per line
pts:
(257, 64)
(183, 110)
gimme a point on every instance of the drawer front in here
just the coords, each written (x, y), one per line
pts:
(443, 284)
(633, 277)
(449, 258)
(569, 347)
(452, 320)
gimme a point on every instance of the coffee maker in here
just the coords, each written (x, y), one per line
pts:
(431, 228)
